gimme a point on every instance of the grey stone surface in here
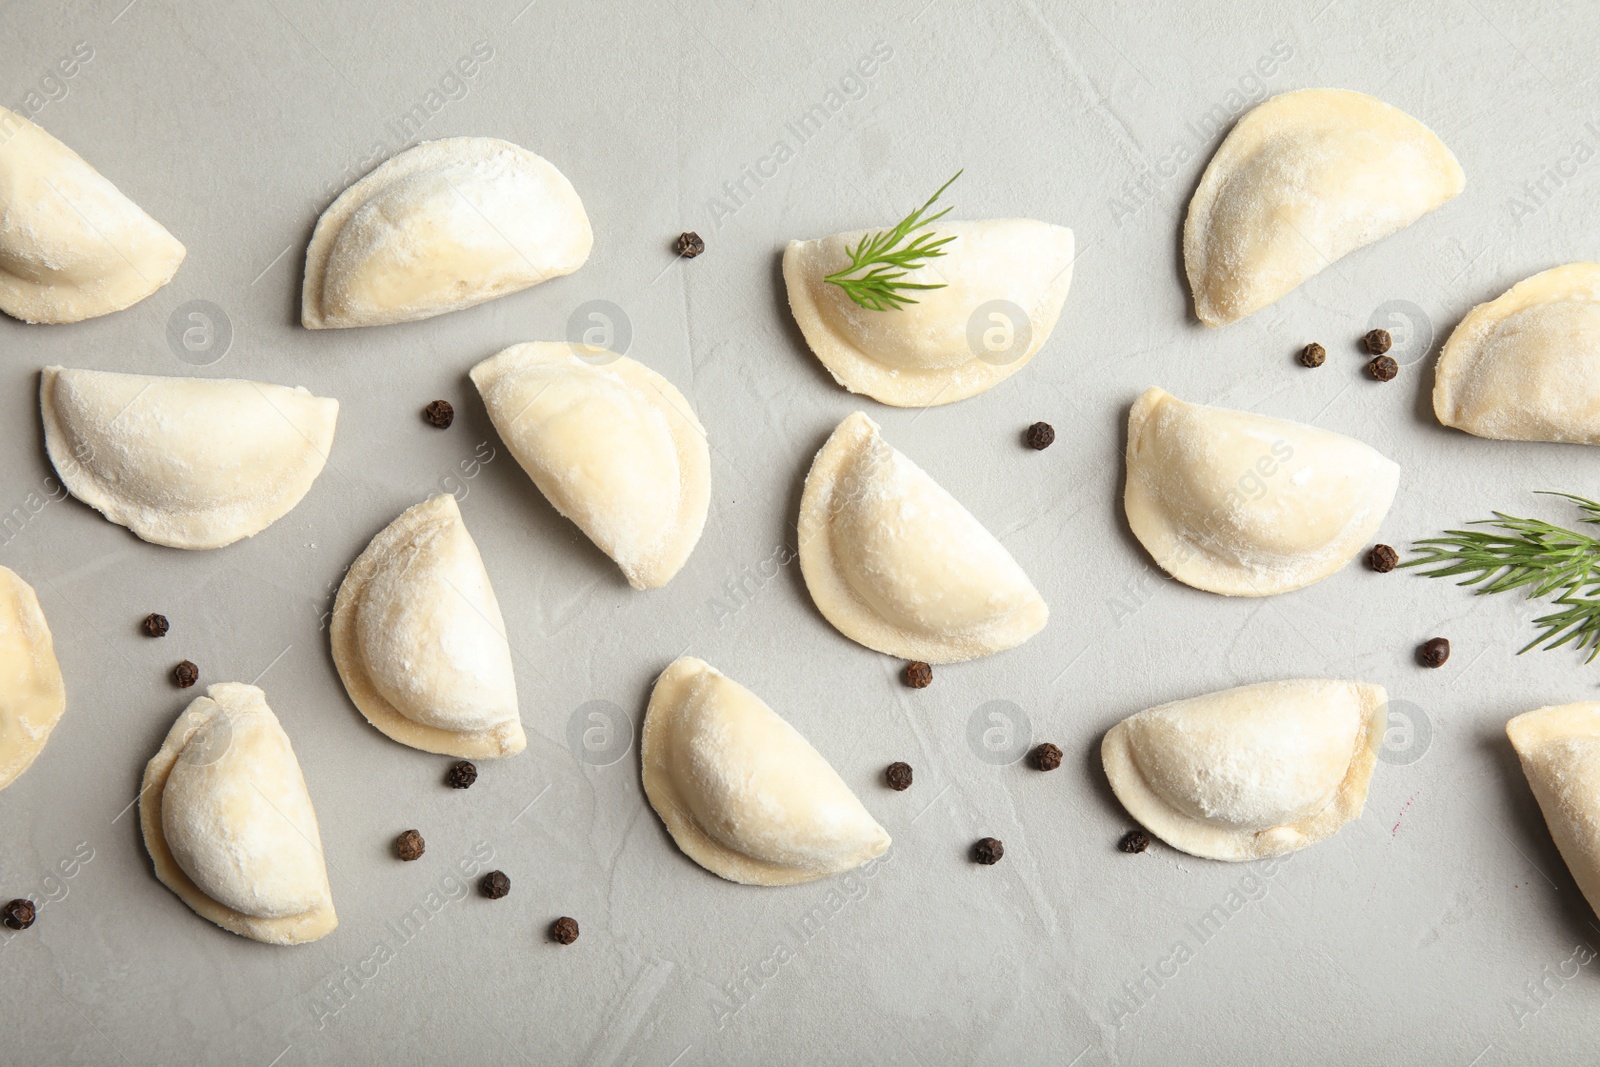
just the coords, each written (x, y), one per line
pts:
(1440, 928)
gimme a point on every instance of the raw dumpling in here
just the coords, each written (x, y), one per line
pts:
(742, 793)
(229, 824)
(1246, 505)
(32, 697)
(611, 444)
(897, 564)
(1004, 281)
(184, 462)
(442, 226)
(1526, 365)
(419, 641)
(71, 245)
(1301, 180)
(1560, 752)
(1252, 772)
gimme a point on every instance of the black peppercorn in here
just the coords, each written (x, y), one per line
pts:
(462, 774)
(1047, 757)
(564, 931)
(1383, 369)
(440, 414)
(495, 885)
(1377, 341)
(1134, 841)
(185, 674)
(1040, 436)
(1313, 355)
(1383, 559)
(19, 914)
(409, 846)
(899, 776)
(155, 625)
(919, 675)
(988, 851)
(1433, 653)
(690, 244)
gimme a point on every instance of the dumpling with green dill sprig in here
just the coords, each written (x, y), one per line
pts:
(929, 312)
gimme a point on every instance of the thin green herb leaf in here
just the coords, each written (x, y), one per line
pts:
(1532, 554)
(885, 262)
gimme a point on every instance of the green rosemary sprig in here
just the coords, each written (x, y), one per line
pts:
(886, 262)
(1535, 554)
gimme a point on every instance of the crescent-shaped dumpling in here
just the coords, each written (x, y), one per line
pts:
(897, 564)
(1526, 365)
(32, 697)
(184, 462)
(229, 824)
(1252, 772)
(1004, 281)
(72, 246)
(419, 641)
(1247, 505)
(742, 793)
(1560, 752)
(611, 444)
(1300, 181)
(442, 226)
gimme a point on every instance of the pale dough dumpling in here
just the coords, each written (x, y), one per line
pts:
(229, 824)
(1247, 505)
(72, 246)
(442, 226)
(419, 641)
(1526, 365)
(1559, 748)
(1303, 179)
(741, 792)
(897, 564)
(184, 462)
(1252, 772)
(950, 344)
(611, 444)
(32, 696)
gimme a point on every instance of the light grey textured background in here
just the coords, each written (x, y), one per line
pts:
(1439, 928)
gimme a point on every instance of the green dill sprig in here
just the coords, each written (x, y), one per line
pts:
(886, 262)
(1532, 554)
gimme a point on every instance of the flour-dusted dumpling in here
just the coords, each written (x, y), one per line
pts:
(184, 462)
(611, 444)
(419, 641)
(897, 564)
(1247, 505)
(1560, 751)
(442, 226)
(72, 246)
(1004, 281)
(229, 824)
(1301, 180)
(742, 793)
(1526, 365)
(32, 697)
(1251, 772)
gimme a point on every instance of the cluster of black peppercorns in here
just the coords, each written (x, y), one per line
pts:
(1044, 757)
(495, 885)
(1382, 367)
